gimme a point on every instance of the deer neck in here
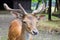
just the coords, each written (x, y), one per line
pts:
(25, 35)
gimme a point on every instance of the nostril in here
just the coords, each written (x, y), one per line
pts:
(35, 33)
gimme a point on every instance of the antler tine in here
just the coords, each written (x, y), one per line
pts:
(7, 7)
(22, 8)
(10, 9)
(40, 9)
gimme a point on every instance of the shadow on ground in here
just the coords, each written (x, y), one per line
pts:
(57, 15)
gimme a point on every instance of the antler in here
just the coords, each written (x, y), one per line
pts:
(22, 8)
(10, 9)
(40, 9)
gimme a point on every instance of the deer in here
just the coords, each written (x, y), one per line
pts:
(24, 26)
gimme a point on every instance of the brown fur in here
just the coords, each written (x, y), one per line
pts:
(14, 30)
(17, 29)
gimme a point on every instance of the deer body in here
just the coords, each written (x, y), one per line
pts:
(24, 26)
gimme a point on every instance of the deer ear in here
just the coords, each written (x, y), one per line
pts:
(15, 14)
(41, 17)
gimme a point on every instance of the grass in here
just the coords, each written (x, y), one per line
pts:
(55, 23)
(4, 37)
(0, 29)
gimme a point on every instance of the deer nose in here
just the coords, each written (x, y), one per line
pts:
(35, 33)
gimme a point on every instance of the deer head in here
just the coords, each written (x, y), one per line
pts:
(29, 19)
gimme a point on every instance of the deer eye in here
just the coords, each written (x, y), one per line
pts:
(24, 22)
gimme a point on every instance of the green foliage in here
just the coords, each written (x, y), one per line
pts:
(4, 37)
(34, 1)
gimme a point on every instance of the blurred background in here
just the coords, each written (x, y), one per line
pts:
(49, 24)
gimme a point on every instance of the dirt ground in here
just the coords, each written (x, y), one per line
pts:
(4, 25)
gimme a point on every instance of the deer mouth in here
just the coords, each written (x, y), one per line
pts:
(35, 32)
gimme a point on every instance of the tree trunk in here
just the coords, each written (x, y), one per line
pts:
(37, 4)
(45, 5)
(49, 10)
(56, 6)
(58, 1)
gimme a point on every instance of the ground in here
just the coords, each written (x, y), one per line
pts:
(5, 20)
